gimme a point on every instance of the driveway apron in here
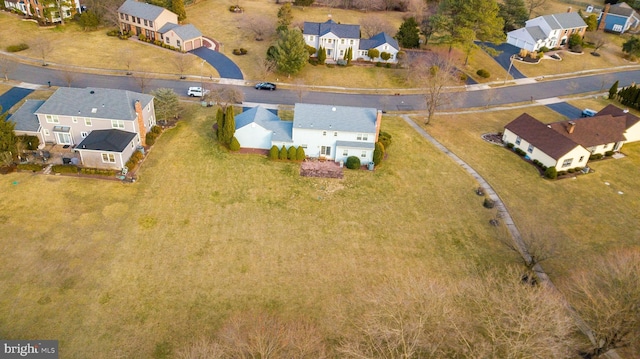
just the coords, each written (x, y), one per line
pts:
(504, 58)
(226, 68)
(565, 109)
(12, 97)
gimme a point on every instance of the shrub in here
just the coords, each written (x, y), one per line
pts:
(274, 152)
(510, 145)
(488, 203)
(31, 142)
(562, 173)
(236, 51)
(243, 51)
(341, 62)
(544, 49)
(609, 153)
(234, 145)
(97, 171)
(483, 73)
(283, 153)
(113, 32)
(387, 65)
(520, 152)
(64, 169)
(150, 138)
(379, 64)
(571, 170)
(300, 155)
(292, 153)
(353, 163)
(551, 173)
(30, 167)
(385, 139)
(577, 48)
(311, 50)
(17, 48)
(313, 61)
(463, 77)
(156, 129)
(378, 153)
(142, 37)
(596, 156)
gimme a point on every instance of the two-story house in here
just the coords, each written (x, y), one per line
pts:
(332, 132)
(158, 23)
(104, 125)
(338, 38)
(549, 31)
(36, 8)
(618, 18)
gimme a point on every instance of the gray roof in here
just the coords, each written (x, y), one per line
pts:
(107, 140)
(377, 40)
(141, 10)
(356, 144)
(166, 27)
(565, 20)
(268, 120)
(185, 32)
(323, 28)
(622, 9)
(335, 118)
(111, 104)
(25, 117)
(536, 33)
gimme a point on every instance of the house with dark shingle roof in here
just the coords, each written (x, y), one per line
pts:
(338, 38)
(158, 24)
(332, 132)
(549, 31)
(107, 148)
(617, 18)
(568, 144)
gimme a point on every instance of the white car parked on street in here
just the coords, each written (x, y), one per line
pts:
(196, 92)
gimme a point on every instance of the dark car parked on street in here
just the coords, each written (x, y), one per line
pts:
(266, 86)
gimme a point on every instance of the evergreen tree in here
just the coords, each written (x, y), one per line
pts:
(7, 136)
(303, 2)
(322, 55)
(292, 153)
(613, 91)
(300, 155)
(177, 6)
(234, 145)
(284, 17)
(409, 34)
(274, 152)
(349, 55)
(89, 20)
(283, 153)
(514, 13)
(378, 153)
(632, 46)
(229, 126)
(291, 54)
(220, 122)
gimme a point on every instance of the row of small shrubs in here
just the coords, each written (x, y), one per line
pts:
(64, 169)
(291, 154)
(98, 171)
(30, 167)
(17, 48)
(123, 36)
(240, 51)
(520, 152)
(483, 73)
(133, 161)
(150, 138)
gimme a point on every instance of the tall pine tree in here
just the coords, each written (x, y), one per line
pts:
(291, 54)
(229, 126)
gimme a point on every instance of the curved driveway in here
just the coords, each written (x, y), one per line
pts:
(226, 68)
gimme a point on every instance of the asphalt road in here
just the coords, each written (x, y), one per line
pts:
(491, 96)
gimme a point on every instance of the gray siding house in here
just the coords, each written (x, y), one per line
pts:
(107, 148)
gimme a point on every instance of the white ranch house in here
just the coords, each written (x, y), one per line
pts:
(547, 31)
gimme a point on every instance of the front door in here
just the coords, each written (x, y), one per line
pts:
(64, 138)
(325, 151)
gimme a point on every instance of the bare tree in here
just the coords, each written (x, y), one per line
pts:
(182, 62)
(434, 73)
(127, 57)
(598, 38)
(369, 5)
(606, 295)
(7, 66)
(375, 24)
(261, 27)
(107, 11)
(300, 89)
(535, 5)
(67, 76)
(265, 67)
(43, 48)
(540, 246)
(142, 79)
(202, 349)
(225, 95)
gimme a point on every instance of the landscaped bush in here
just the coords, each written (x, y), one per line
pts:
(292, 153)
(30, 167)
(64, 169)
(571, 170)
(520, 152)
(577, 48)
(483, 73)
(551, 173)
(300, 155)
(596, 156)
(562, 173)
(98, 171)
(379, 64)
(385, 139)
(510, 145)
(488, 203)
(463, 77)
(609, 153)
(135, 158)
(313, 61)
(17, 48)
(378, 153)
(114, 32)
(239, 51)
(236, 8)
(150, 138)
(234, 145)
(283, 153)
(544, 49)
(330, 65)
(274, 152)
(31, 143)
(156, 129)
(353, 163)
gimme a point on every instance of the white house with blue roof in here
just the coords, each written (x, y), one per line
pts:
(549, 31)
(331, 132)
(338, 38)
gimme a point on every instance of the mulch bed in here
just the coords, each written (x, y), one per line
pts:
(328, 169)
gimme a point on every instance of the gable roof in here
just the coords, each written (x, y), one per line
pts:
(107, 140)
(630, 119)
(622, 9)
(185, 32)
(565, 20)
(541, 136)
(377, 40)
(94, 102)
(25, 117)
(281, 130)
(334, 118)
(593, 131)
(141, 10)
(340, 30)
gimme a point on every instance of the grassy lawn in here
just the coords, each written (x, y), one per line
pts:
(584, 218)
(112, 269)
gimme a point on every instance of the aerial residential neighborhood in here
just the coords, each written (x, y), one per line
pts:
(319, 179)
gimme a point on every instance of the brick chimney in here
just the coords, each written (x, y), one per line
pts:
(602, 23)
(142, 131)
(378, 123)
(569, 9)
(571, 127)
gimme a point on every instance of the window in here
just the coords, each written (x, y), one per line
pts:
(87, 122)
(362, 137)
(581, 158)
(150, 23)
(518, 140)
(335, 134)
(325, 150)
(530, 149)
(345, 153)
(117, 124)
(52, 119)
(177, 43)
(350, 42)
(341, 52)
(121, 16)
(166, 39)
(138, 20)
(324, 133)
(126, 17)
(108, 158)
(146, 23)
(311, 38)
(84, 134)
(328, 41)
(363, 154)
(342, 41)
(303, 146)
(567, 162)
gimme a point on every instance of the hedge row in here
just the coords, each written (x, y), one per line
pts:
(98, 171)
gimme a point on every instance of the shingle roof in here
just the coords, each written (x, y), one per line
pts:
(335, 118)
(593, 131)
(377, 40)
(94, 102)
(25, 117)
(107, 140)
(141, 10)
(167, 27)
(613, 110)
(622, 9)
(268, 120)
(565, 20)
(536, 33)
(355, 144)
(323, 28)
(541, 136)
(187, 32)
